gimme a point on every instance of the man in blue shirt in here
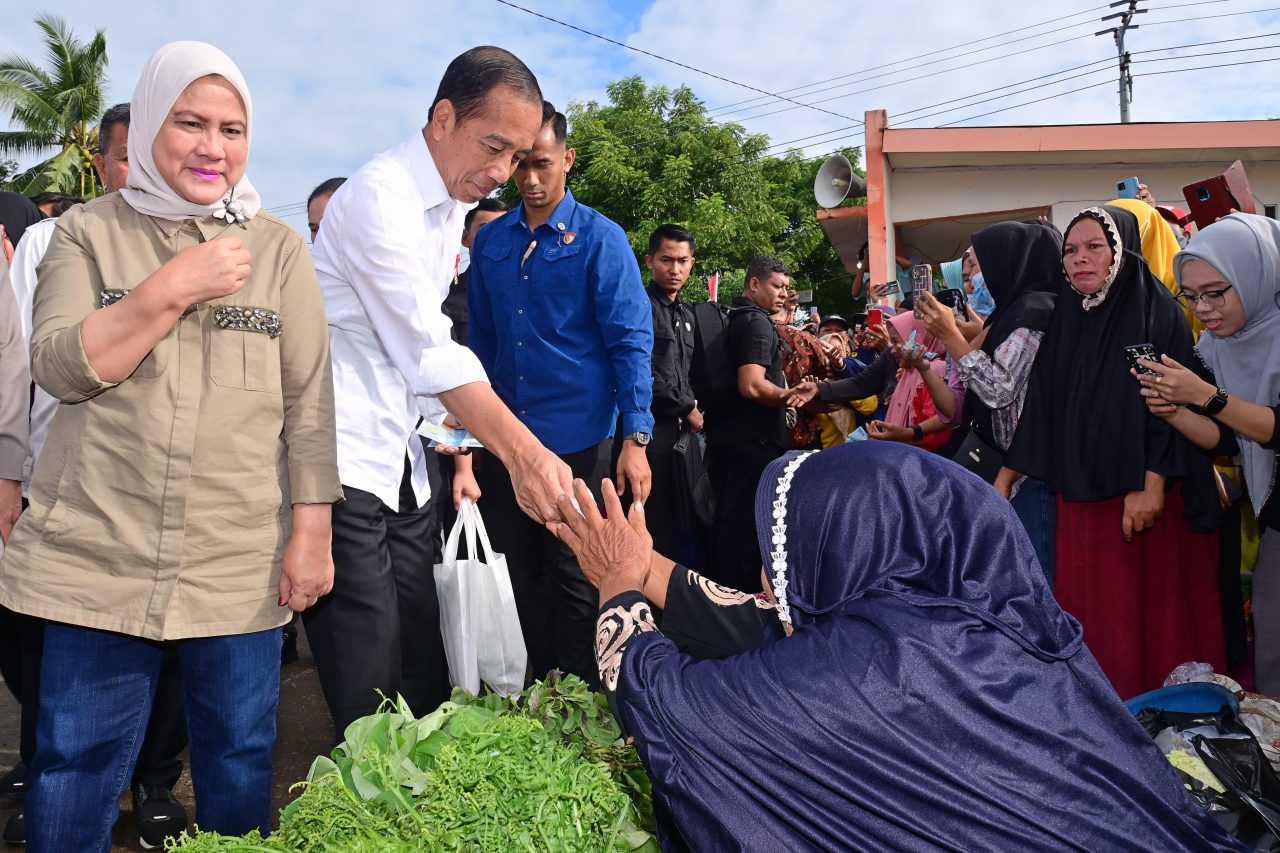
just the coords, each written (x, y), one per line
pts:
(560, 321)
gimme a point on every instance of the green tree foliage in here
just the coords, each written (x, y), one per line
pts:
(651, 155)
(55, 109)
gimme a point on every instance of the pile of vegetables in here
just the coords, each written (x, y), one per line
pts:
(547, 770)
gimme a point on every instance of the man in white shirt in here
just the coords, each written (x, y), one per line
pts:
(385, 258)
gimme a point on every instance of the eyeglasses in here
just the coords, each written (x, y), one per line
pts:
(1210, 298)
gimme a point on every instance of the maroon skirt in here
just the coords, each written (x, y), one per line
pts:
(1146, 606)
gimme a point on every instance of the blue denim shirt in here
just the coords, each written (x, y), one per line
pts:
(561, 322)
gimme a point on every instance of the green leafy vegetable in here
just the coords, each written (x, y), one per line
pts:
(547, 770)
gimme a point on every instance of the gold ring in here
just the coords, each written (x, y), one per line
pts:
(1159, 379)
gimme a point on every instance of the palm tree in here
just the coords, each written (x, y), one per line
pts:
(56, 108)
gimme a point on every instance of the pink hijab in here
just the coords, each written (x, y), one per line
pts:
(899, 412)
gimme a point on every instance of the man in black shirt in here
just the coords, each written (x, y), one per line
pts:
(455, 304)
(750, 430)
(670, 260)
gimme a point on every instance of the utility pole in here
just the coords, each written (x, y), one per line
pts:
(1126, 24)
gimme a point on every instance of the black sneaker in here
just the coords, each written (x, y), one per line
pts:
(14, 784)
(157, 815)
(15, 829)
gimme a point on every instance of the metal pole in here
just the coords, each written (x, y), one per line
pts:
(1124, 72)
(1126, 76)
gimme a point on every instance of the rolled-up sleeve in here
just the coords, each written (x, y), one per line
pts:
(70, 288)
(385, 259)
(625, 317)
(306, 383)
(15, 385)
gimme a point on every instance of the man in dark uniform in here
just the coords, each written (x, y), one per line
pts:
(750, 431)
(670, 260)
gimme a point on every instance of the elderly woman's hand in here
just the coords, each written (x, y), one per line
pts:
(613, 550)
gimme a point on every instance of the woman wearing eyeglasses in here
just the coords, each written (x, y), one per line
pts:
(1229, 275)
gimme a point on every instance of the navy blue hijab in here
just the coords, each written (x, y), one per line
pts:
(933, 695)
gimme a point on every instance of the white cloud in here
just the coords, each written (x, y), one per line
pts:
(333, 83)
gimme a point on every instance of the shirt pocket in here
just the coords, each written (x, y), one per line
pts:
(561, 253)
(246, 358)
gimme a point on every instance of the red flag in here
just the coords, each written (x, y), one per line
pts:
(713, 287)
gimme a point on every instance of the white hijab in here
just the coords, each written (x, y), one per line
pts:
(166, 75)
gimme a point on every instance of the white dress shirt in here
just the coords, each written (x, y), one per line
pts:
(385, 255)
(26, 257)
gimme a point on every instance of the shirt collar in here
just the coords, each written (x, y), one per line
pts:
(209, 227)
(427, 176)
(562, 215)
(661, 296)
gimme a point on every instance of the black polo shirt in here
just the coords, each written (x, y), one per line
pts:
(753, 339)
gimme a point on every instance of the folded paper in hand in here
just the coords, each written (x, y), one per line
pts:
(446, 436)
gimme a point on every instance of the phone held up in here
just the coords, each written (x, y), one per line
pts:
(1128, 188)
(921, 282)
(1213, 198)
(1141, 351)
(955, 299)
(875, 317)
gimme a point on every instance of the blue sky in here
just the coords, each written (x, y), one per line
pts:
(334, 83)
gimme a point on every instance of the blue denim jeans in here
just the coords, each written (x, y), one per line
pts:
(96, 691)
(1037, 509)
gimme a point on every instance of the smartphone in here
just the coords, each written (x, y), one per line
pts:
(1143, 351)
(921, 282)
(1128, 188)
(814, 316)
(956, 300)
(1211, 199)
(875, 317)
(890, 287)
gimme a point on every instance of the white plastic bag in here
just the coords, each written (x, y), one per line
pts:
(478, 618)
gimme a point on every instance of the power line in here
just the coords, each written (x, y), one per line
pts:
(300, 206)
(664, 59)
(1026, 103)
(1206, 67)
(1210, 53)
(1209, 17)
(929, 55)
(722, 111)
(937, 72)
(1010, 94)
(1153, 50)
(922, 76)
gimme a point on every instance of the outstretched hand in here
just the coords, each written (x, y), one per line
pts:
(614, 550)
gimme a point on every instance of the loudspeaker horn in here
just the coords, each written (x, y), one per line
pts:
(836, 181)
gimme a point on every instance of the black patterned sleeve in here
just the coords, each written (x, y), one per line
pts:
(707, 621)
(621, 619)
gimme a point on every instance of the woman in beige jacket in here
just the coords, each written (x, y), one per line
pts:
(184, 493)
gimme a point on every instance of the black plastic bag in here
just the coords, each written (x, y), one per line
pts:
(1250, 807)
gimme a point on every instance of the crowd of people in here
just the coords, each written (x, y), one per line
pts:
(223, 442)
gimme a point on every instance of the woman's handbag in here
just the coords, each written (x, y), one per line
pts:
(478, 618)
(979, 457)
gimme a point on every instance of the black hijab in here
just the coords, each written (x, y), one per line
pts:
(17, 212)
(1022, 265)
(1085, 429)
